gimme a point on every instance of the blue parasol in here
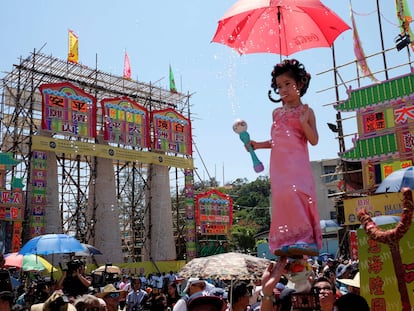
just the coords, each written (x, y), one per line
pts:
(397, 180)
(51, 244)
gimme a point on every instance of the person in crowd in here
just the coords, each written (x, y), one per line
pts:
(159, 303)
(159, 281)
(172, 295)
(284, 300)
(137, 297)
(239, 296)
(194, 288)
(329, 274)
(41, 292)
(171, 276)
(329, 266)
(5, 280)
(88, 302)
(291, 178)
(206, 303)
(326, 291)
(353, 284)
(144, 280)
(151, 280)
(255, 290)
(351, 302)
(6, 300)
(270, 278)
(125, 286)
(111, 296)
(57, 301)
(343, 273)
(74, 282)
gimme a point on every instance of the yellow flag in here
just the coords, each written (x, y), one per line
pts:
(73, 55)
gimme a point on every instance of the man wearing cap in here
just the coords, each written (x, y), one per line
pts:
(194, 288)
(111, 297)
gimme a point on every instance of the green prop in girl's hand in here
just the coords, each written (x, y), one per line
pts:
(240, 127)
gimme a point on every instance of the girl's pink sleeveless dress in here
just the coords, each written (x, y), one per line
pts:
(295, 216)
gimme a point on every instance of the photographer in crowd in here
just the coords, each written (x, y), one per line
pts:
(73, 281)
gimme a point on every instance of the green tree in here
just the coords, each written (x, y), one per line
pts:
(253, 197)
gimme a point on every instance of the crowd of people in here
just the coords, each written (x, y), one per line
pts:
(334, 286)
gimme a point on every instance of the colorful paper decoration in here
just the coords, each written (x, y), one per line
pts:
(172, 132)
(125, 122)
(214, 213)
(68, 110)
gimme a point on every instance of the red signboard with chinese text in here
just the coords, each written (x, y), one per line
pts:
(125, 122)
(68, 110)
(172, 132)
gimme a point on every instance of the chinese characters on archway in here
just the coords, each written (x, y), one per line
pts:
(68, 110)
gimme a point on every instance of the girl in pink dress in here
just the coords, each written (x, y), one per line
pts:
(295, 228)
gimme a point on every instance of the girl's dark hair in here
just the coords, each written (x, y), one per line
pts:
(296, 70)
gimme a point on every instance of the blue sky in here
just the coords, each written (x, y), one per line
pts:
(226, 86)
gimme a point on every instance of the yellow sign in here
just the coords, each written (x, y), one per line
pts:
(378, 266)
(108, 152)
(376, 205)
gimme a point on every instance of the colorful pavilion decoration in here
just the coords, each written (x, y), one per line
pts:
(68, 110)
(11, 204)
(385, 119)
(172, 132)
(126, 123)
(214, 212)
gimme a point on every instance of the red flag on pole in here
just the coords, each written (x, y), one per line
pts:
(127, 67)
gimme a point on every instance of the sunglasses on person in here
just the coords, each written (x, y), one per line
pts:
(322, 288)
(114, 295)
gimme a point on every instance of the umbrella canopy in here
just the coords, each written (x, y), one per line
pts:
(108, 269)
(51, 244)
(397, 180)
(89, 250)
(281, 27)
(29, 262)
(226, 266)
(329, 226)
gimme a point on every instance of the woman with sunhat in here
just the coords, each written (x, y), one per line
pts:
(353, 284)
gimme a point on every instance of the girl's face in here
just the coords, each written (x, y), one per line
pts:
(288, 89)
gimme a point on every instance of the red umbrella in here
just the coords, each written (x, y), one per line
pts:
(278, 26)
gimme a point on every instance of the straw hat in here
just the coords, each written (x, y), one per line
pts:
(109, 288)
(57, 299)
(192, 281)
(355, 282)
